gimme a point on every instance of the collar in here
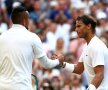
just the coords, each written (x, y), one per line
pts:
(18, 25)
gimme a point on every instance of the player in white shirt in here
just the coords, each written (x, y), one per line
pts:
(94, 59)
(18, 48)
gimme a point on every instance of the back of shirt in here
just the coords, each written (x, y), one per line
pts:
(18, 47)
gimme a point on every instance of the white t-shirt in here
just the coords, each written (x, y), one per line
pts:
(94, 54)
(18, 47)
(3, 27)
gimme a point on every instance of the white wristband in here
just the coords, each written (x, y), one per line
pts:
(91, 87)
(69, 67)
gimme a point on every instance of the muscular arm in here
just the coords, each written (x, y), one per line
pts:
(99, 75)
(79, 68)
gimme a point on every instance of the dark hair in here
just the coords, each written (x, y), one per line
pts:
(86, 19)
(17, 14)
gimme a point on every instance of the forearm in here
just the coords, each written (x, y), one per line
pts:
(48, 63)
(97, 80)
(78, 68)
(99, 75)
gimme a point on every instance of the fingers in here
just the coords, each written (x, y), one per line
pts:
(60, 57)
(57, 56)
(54, 56)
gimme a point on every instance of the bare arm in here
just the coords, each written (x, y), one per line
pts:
(79, 68)
(99, 71)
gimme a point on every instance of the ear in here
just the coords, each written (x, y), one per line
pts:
(89, 26)
(24, 22)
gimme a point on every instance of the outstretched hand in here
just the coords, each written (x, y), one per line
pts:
(60, 57)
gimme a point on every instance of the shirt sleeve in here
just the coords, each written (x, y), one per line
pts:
(48, 63)
(37, 47)
(97, 57)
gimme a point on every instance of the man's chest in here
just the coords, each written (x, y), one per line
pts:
(87, 59)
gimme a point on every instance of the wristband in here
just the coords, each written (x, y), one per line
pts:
(64, 64)
(91, 87)
(69, 67)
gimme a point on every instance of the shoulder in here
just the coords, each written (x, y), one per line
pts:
(35, 37)
(5, 33)
(97, 45)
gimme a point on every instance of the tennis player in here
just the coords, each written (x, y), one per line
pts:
(94, 59)
(18, 47)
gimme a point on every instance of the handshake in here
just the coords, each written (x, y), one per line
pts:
(61, 59)
(67, 66)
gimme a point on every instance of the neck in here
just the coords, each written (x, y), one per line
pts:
(89, 37)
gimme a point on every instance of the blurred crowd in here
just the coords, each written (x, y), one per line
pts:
(54, 22)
